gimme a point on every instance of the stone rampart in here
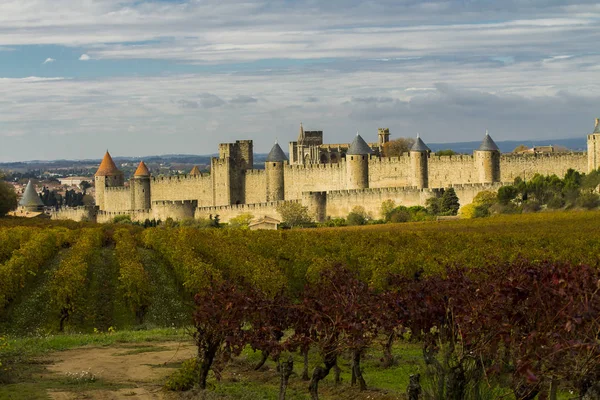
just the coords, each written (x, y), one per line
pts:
(84, 213)
(313, 178)
(444, 170)
(183, 187)
(117, 198)
(256, 186)
(389, 172)
(527, 165)
(258, 210)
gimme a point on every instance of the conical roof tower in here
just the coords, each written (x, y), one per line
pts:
(195, 171)
(359, 147)
(276, 154)
(31, 201)
(420, 146)
(108, 167)
(488, 144)
(142, 170)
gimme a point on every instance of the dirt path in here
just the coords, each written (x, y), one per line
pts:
(141, 367)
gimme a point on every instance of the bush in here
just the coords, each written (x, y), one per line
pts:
(358, 216)
(588, 200)
(531, 206)
(122, 219)
(506, 194)
(400, 214)
(241, 221)
(185, 377)
(294, 214)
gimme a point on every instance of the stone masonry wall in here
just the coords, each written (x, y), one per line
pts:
(313, 178)
(390, 172)
(256, 186)
(117, 198)
(187, 187)
(75, 214)
(226, 213)
(446, 170)
(527, 165)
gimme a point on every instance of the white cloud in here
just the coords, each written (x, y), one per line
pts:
(84, 57)
(48, 60)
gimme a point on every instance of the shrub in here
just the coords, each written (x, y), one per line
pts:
(588, 200)
(400, 214)
(185, 377)
(122, 219)
(358, 216)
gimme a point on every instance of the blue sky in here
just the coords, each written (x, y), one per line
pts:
(156, 77)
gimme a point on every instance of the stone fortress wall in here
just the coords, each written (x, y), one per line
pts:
(357, 178)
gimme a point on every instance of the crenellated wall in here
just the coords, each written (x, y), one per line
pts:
(445, 170)
(256, 186)
(527, 165)
(389, 172)
(117, 199)
(258, 210)
(313, 178)
(82, 213)
(183, 187)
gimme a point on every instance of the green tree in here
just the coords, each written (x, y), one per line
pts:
(506, 194)
(447, 152)
(386, 208)
(8, 197)
(449, 202)
(241, 221)
(358, 216)
(294, 214)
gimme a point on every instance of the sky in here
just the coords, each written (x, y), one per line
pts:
(140, 77)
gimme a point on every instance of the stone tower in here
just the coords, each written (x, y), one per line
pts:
(140, 188)
(274, 165)
(108, 175)
(593, 148)
(383, 136)
(487, 161)
(419, 160)
(357, 164)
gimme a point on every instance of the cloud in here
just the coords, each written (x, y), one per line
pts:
(84, 57)
(243, 99)
(49, 60)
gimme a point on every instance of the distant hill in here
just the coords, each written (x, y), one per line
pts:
(575, 144)
(507, 146)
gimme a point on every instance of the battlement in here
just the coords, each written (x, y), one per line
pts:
(530, 156)
(353, 192)
(117, 188)
(257, 172)
(179, 178)
(175, 202)
(403, 159)
(453, 158)
(246, 207)
(339, 165)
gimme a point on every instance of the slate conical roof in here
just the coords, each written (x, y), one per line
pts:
(30, 197)
(420, 146)
(597, 130)
(301, 134)
(359, 147)
(488, 144)
(142, 170)
(195, 171)
(108, 167)
(276, 154)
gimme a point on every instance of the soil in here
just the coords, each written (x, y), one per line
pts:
(142, 368)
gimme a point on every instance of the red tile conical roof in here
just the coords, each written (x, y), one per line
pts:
(195, 171)
(142, 170)
(108, 167)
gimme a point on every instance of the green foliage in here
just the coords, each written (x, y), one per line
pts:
(294, 214)
(122, 219)
(447, 152)
(8, 198)
(185, 377)
(133, 280)
(449, 204)
(588, 200)
(358, 216)
(506, 194)
(386, 208)
(241, 221)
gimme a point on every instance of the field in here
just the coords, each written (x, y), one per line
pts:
(123, 294)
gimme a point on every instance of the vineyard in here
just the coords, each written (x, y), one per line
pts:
(507, 305)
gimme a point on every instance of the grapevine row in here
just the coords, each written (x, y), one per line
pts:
(133, 280)
(69, 281)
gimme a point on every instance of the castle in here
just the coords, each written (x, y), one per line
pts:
(329, 179)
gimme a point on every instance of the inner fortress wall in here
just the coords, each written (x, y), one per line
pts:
(117, 198)
(313, 178)
(186, 187)
(390, 172)
(226, 213)
(256, 186)
(446, 170)
(527, 165)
